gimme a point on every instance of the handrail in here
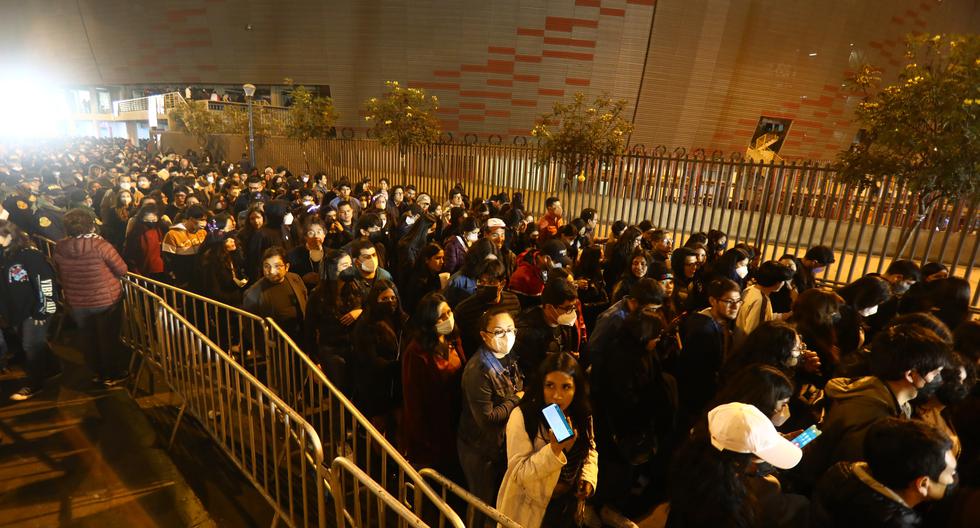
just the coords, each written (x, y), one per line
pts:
(302, 384)
(473, 502)
(234, 407)
(284, 368)
(342, 466)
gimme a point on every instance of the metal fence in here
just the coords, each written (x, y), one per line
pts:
(777, 208)
(364, 501)
(270, 355)
(269, 442)
(475, 507)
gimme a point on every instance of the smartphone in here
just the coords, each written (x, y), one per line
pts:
(806, 436)
(557, 422)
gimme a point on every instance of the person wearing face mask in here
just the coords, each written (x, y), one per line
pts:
(551, 221)
(906, 463)
(492, 386)
(115, 219)
(280, 294)
(490, 295)
(457, 244)
(307, 260)
(533, 267)
(901, 276)
(813, 263)
(181, 244)
(365, 269)
(732, 265)
(375, 367)
(432, 365)
(861, 300)
(142, 250)
(756, 307)
(904, 359)
(371, 227)
(548, 328)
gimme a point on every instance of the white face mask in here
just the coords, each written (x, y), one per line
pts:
(742, 271)
(409, 220)
(125, 186)
(781, 416)
(288, 219)
(369, 265)
(446, 327)
(868, 312)
(568, 319)
(471, 237)
(210, 179)
(501, 346)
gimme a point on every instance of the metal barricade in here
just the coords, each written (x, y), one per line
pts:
(474, 505)
(238, 332)
(269, 442)
(345, 431)
(363, 502)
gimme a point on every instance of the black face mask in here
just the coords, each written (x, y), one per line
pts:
(930, 388)
(377, 236)
(386, 309)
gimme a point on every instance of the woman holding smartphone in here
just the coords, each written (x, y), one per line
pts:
(547, 481)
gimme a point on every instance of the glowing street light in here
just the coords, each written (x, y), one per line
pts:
(249, 92)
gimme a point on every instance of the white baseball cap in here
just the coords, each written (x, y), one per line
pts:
(742, 428)
(494, 223)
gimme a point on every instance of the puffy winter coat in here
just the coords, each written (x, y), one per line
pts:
(89, 269)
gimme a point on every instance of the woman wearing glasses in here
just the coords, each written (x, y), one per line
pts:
(492, 386)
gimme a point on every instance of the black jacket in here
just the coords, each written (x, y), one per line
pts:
(699, 365)
(536, 338)
(848, 496)
(27, 286)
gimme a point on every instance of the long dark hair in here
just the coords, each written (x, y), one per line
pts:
(532, 403)
(18, 239)
(706, 487)
(771, 343)
(371, 304)
(624, 244)
(475, 256)
(589, 265)
(424, 325)
(868, 291)
(756, 384)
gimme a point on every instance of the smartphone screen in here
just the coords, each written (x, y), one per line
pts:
(806, 436)
(557, 422)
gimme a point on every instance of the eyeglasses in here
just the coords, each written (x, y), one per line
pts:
(731, 302)
(501, 332)
(565, 309)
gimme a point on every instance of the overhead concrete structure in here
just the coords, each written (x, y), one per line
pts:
(696, 73)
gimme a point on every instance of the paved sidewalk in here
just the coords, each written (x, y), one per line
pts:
(80, 455)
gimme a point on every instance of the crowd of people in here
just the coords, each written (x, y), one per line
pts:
(687, 374)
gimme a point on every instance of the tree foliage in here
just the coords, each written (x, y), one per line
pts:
(582, 131)
(197, 120)
(923, 129)
(310, 116)
(404, 117)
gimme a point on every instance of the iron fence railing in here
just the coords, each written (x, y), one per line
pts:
(268, 441)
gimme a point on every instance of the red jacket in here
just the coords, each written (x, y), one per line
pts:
(143, 250)
(89, 269)
(526, 279)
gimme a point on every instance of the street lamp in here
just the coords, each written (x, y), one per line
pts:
(249, 92)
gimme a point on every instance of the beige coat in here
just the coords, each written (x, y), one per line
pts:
(532, 473)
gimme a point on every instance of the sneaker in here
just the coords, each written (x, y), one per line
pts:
(24, 394)
(113, 382)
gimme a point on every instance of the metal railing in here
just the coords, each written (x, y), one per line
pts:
(282, 366)
(142, 104)
(240, 333)
(474, 505)
(775, 207)
(271, 444)
(364, 501)
(345, 431)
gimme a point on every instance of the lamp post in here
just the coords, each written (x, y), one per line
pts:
(249, 92)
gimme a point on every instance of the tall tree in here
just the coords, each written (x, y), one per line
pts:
(922, 131)
(310, 117)
(403, 117)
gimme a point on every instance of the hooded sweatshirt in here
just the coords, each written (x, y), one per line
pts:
(854, 404)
